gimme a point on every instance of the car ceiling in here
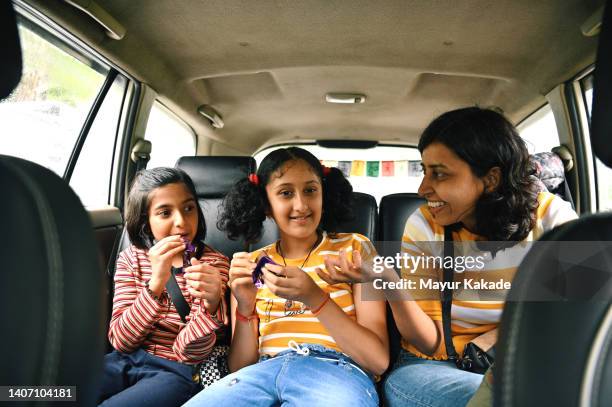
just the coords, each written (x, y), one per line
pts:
(266, 66)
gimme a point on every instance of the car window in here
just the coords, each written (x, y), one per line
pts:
(540, 131)
(378, 171)
(92, 173)
(43, 116)
(170, 137)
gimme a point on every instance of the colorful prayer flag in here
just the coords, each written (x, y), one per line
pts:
(387, 168)
(345, 167)
(401, 168)
(372, 168)
(415, 169)
(358, 168)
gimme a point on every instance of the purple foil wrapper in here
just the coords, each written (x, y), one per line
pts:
(190, 250)
(258, 273)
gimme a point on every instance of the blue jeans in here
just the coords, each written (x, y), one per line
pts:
(324, 377)
(141, 379)
(421, 382)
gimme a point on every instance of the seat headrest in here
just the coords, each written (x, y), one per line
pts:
(549, 169)
(214, 176)
(10, 69)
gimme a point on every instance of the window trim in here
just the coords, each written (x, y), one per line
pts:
(89, 120)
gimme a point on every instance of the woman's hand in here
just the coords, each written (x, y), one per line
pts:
(160, 256)
(339, 269)
(292, 283)
(204, 281)
(241, 282)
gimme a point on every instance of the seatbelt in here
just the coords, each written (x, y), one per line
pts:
(141, 154)
(447, 297)
(176, 295)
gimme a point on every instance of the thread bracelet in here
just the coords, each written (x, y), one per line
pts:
(318, 310)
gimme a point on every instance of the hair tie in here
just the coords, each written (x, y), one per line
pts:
(326, 171)
(253, 179)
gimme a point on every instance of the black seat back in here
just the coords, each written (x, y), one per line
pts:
(365, 221)
(559, 352)
(52, 290)
(213, 177)
(394, 211)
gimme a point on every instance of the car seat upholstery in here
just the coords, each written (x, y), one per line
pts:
(395, 209)
(550, 172)
(213, 177)
(558, 351)
(364, 222)
(52, 289)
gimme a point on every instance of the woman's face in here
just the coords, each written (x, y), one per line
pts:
(449, 186)
(173, 211)
(295, 194)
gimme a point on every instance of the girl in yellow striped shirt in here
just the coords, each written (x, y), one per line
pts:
(298, 339)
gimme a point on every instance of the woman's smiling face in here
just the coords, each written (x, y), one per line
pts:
(449, 186)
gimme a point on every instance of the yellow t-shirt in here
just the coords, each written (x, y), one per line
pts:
(281, 321)
(471, 318)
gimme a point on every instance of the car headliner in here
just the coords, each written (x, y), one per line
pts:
(267, 65)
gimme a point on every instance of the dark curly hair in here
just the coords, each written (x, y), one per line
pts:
(484, 139)
(137, 207)
(244, 207)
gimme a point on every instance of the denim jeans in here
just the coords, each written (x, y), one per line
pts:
(421, 382)
(323, 377)
(141, 379)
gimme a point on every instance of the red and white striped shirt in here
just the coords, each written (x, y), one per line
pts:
(140, 321)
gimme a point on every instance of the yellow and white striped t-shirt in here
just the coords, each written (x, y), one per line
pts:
(281, 321)
(469, 317)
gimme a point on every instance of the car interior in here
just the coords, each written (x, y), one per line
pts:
(94, 91)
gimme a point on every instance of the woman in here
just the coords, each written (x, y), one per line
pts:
(478, 182)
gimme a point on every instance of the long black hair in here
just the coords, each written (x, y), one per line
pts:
(484, 139)
(137, 207)
(246, 204)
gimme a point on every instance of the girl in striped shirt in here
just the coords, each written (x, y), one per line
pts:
(155, 350)
(297, 339)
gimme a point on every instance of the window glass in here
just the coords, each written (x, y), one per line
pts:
(603, 174)
(170, 137)
(377, 171)
(42, 118)
(540, 131)
(92, 173)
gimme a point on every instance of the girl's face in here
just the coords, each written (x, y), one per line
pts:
(450, 186)
(173, 211)
(295, 194)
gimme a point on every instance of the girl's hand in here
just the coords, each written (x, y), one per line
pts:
(204, 281)
(339, 269)
(241, 282)
(292, 283)
(160, 256)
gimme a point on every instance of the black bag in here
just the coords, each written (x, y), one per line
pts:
(474, 359)
(214, 367)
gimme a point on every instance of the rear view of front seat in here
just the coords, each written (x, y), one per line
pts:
(51, 288)
(555, 346)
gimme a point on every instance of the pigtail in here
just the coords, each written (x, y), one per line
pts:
(337, 199)
(243, 211)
